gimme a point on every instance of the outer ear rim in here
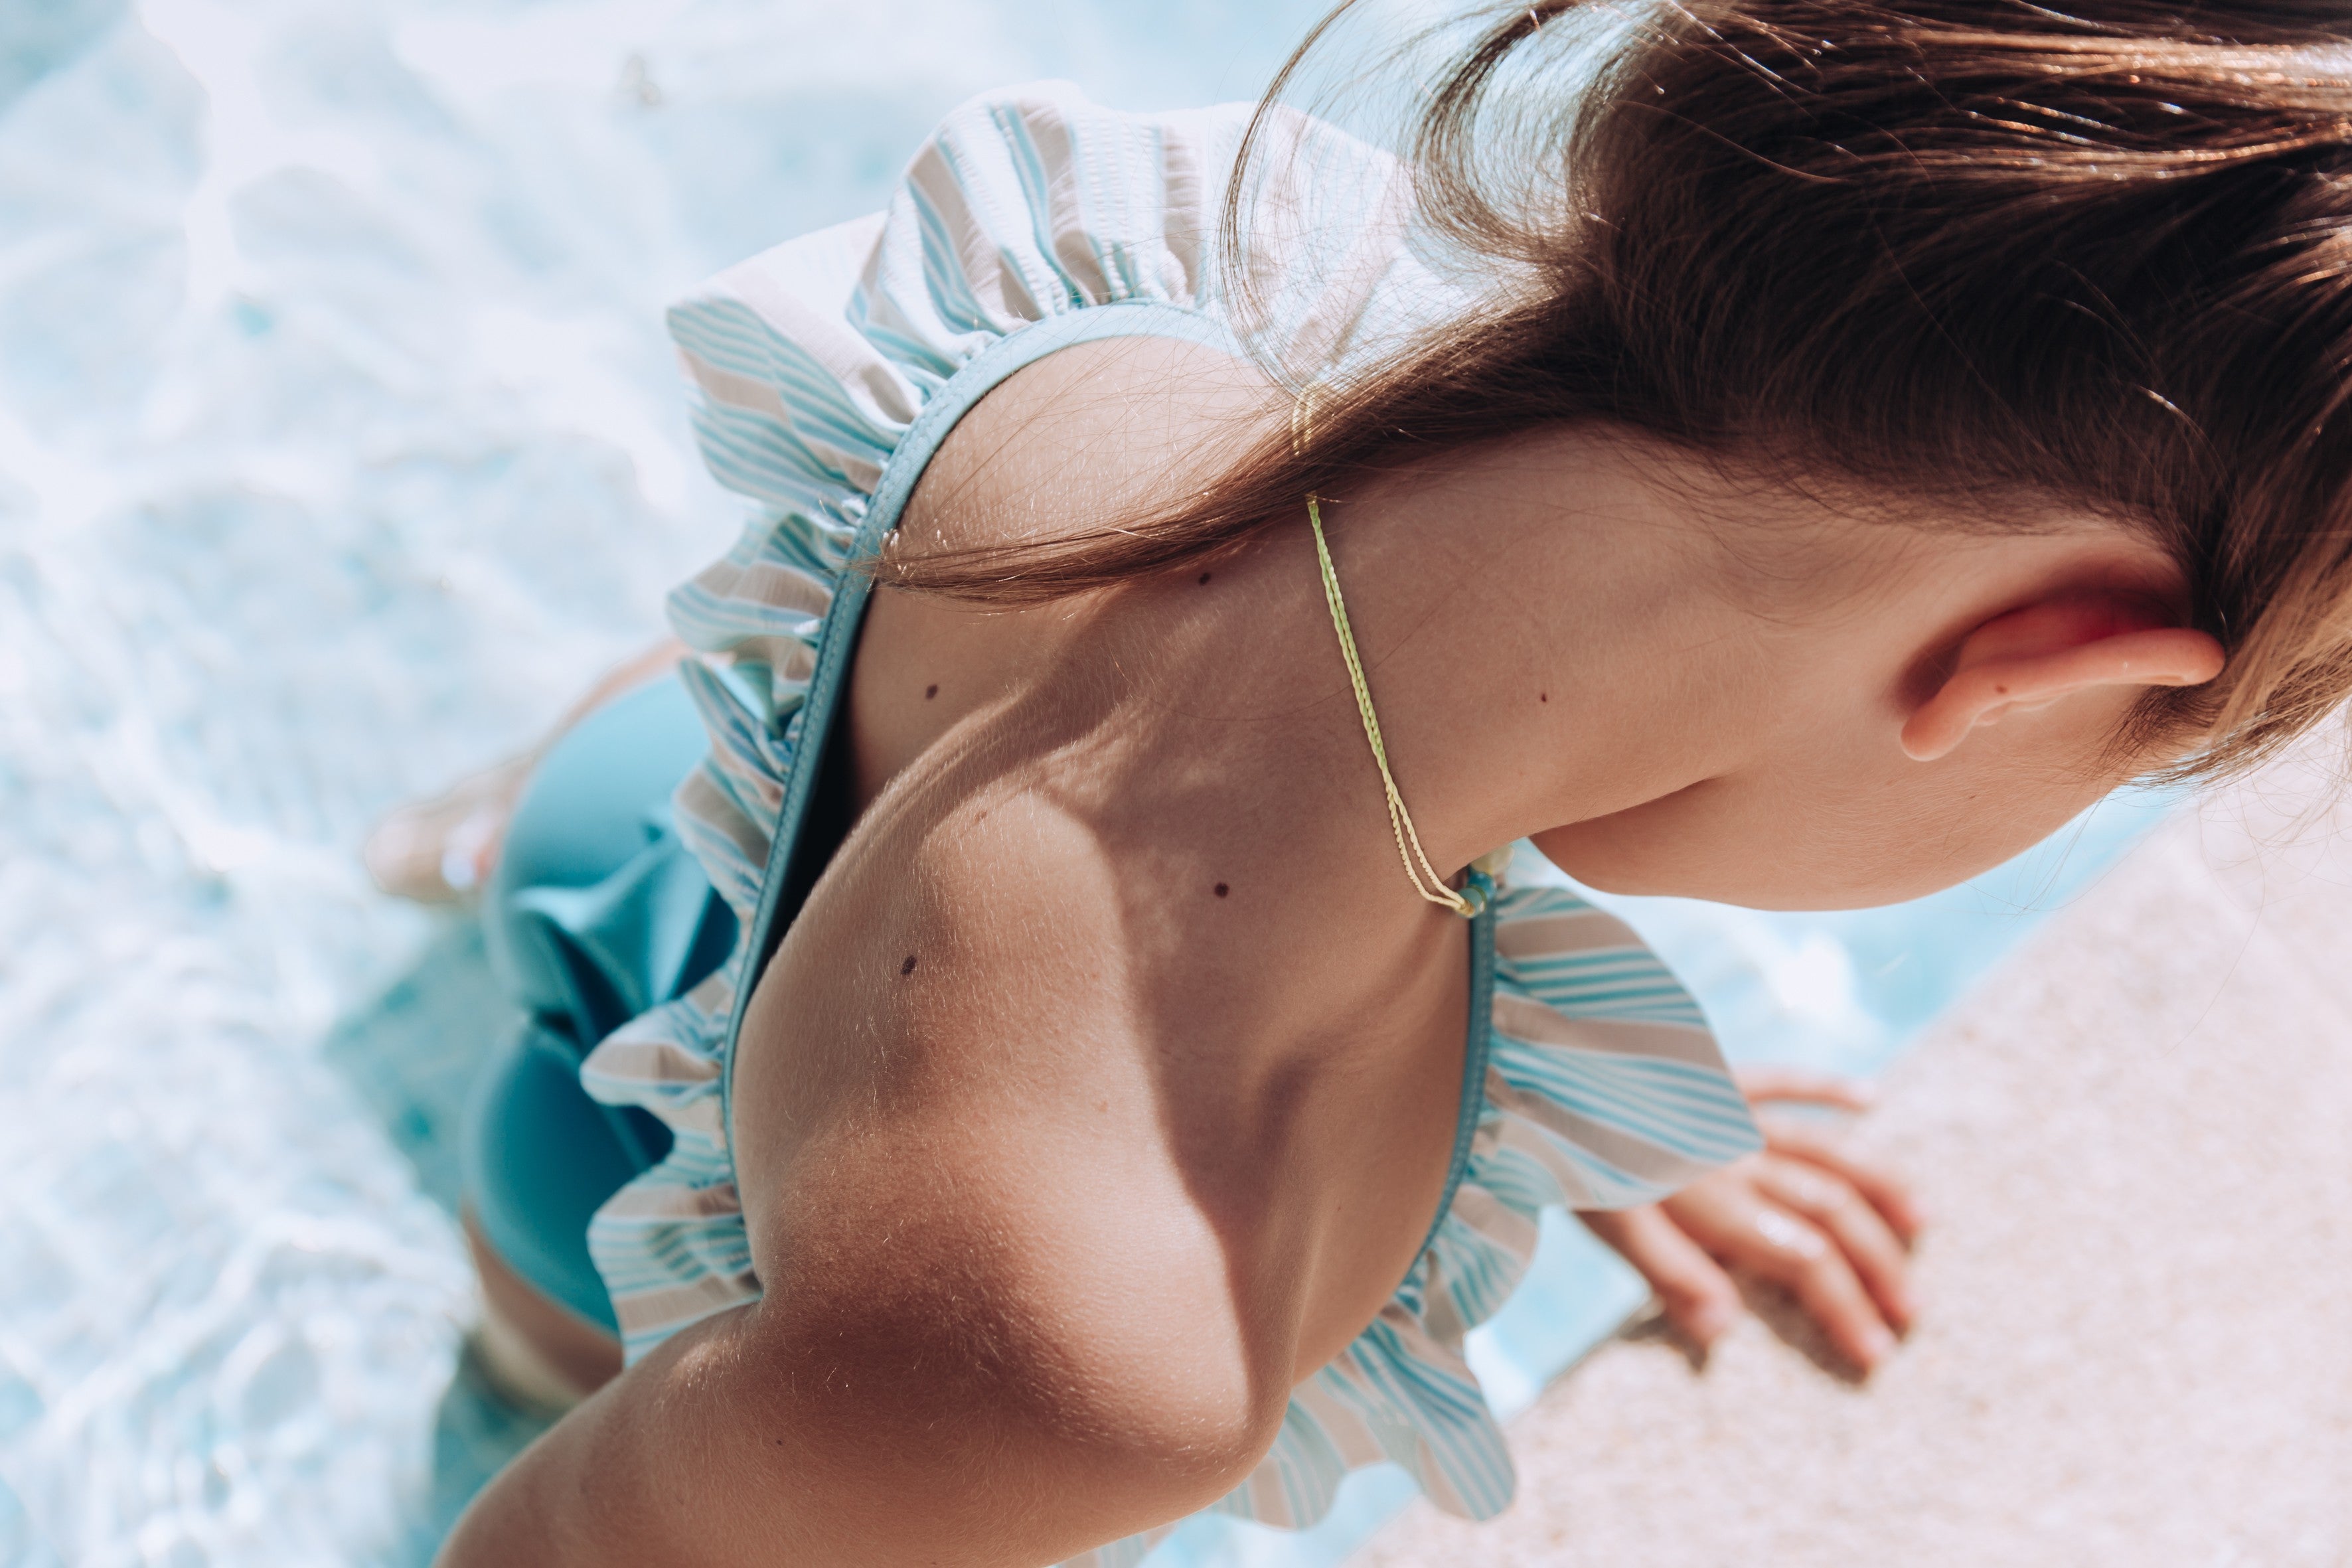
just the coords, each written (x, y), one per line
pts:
(1980, 694)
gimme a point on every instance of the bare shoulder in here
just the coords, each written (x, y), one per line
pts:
(957, 1147)
(1054, 1046)
(1086, 434)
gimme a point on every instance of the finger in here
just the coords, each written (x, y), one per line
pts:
(1746, 1231)
(1766, 1081)
(1847, 1218)
(1888, 1194)
(1698, 1297)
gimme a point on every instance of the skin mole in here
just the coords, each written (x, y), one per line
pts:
(1222, 890)
(930, 692)
(1204, 579)
(907, 967)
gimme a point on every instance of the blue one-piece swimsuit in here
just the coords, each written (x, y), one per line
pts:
(828, 371)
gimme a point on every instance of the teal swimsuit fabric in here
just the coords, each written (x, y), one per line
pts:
(596, 912)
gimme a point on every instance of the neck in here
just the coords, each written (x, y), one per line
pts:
(1544, 636)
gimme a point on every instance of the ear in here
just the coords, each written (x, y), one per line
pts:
(2029, 658)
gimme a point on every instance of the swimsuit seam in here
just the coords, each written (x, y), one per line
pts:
(1476, 1050)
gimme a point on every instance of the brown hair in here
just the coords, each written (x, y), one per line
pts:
(2098, 250)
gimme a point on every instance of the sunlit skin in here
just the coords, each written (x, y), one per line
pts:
(1106, 1085)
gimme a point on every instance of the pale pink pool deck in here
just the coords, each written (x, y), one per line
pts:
(2135, 1138)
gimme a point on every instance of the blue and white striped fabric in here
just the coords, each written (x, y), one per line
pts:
(1602, 1087)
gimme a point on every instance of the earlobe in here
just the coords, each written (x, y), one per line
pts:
(2026, 661)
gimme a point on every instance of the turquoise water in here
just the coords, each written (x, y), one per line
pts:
(339, 441)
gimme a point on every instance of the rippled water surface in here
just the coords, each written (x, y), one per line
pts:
(338, 444)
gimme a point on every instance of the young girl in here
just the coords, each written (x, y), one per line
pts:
(1077, 1055)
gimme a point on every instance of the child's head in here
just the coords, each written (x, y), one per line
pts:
(1982, 266)
(2003, 264)
(1976, 253)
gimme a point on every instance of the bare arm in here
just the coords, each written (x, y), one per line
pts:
(718, 1451)
(950, 1374)
(723, 1448)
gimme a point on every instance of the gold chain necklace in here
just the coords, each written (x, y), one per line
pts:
(1423, 876)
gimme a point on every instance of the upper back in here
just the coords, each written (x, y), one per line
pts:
(1084, 934)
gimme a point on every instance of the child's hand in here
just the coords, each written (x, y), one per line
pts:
(1802, 1214)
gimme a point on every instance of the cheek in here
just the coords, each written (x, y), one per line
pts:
(1809, 839)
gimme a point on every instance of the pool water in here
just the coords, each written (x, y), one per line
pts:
(339, 444)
